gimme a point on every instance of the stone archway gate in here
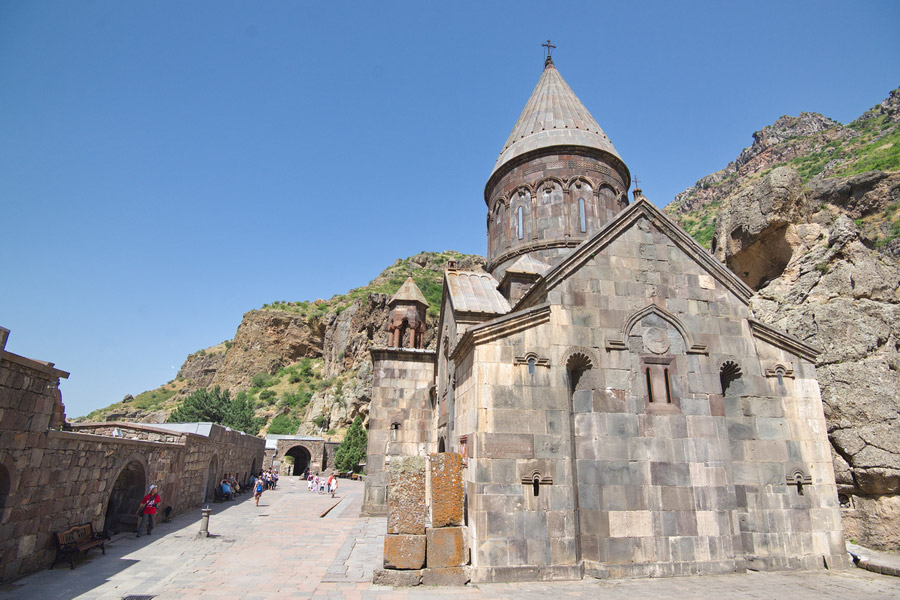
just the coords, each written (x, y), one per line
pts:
(321, 453)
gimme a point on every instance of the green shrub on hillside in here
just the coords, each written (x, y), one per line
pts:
(283, 425)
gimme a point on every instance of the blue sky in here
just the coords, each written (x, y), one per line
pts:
(167, 166)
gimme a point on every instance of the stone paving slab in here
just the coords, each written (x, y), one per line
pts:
(282, 549)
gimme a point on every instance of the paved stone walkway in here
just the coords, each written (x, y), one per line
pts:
(285, 549)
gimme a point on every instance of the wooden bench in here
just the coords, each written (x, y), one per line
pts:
(79, 538)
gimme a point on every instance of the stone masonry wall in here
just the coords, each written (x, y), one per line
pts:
(52, 479)
(399, 417)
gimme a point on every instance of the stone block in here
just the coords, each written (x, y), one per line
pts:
(446, 547)
(404, 551)
(447, 489)
(397, 578)
(506, 445)
(406, 496)
(445, 576)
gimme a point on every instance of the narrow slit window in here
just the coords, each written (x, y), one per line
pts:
(649, 385)
(531, 366)
(581, 217)
(520, 226)
(668, 387)
(536, 487)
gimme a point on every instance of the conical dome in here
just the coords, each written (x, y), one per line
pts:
(553, 116)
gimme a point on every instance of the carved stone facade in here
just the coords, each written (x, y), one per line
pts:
(619, 410)
(53, 476)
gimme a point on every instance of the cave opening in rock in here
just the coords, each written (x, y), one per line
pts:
(763, 260)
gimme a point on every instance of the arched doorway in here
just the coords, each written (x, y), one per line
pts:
(212, 479)
(302, 458)
(125, 498)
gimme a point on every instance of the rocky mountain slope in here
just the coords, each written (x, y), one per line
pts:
(819, 149)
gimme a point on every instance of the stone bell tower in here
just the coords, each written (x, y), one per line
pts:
(406, 323)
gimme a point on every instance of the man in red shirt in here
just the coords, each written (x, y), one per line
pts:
(148, 509)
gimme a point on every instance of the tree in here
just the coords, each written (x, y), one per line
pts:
(203, 406)
(217, 406)
(239, 415)
(353, 448)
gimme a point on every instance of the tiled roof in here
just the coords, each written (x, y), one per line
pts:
(409, 292)
(475, 292)
(553, 116)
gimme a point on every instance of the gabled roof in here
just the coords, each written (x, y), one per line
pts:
(528, 265)
(475, 292)
(641, 208)
(553, 116)
(408, 292)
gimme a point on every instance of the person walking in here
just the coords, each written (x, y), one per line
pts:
(259, 490)
(332, 484)
(147, 511)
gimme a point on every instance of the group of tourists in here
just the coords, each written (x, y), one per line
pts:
(321, 485)
(267, 479)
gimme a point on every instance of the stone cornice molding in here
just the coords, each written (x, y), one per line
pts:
(640, 209)
(784, 341)
(38, 365)
(411, 354)
(107, 439)
(501, 327)
(652, 309)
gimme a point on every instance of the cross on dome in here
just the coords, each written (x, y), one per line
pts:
(549, 47)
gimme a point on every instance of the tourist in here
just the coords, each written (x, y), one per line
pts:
(226, 490)
(309, 480)
(259, 490)
(332, 484)
(147, 511)
(316, 482)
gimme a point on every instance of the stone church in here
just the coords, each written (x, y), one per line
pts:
(619, 410)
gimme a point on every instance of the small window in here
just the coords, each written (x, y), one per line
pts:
(581, 217)
(520, 226)
(668, 388)
(531, 366)
(649, 385)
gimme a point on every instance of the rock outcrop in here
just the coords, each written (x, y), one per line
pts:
(820, 279)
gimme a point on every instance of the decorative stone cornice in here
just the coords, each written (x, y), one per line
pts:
(784, 341)
(411, 354)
